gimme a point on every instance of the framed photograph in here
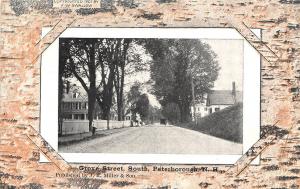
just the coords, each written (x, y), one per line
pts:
(151, 106)
(161, 94)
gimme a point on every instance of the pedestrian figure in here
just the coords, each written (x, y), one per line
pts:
(94, 128)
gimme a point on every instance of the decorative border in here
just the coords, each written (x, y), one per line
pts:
(245, 31)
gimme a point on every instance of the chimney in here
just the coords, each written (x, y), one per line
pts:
(233, 92)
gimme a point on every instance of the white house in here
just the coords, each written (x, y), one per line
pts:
(74, 114)
(217, 100)
(74, 106)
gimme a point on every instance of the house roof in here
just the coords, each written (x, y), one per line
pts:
(68, 97)
(223, 97)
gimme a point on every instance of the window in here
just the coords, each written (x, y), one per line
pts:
(68, 116)
(84, 105)
(79, 116)
(217, 109)
(82, 116)
(205, 108)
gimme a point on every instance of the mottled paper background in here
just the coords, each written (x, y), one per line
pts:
(21, 22)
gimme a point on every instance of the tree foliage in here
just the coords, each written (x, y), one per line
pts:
(171, 112)
(142, 106)
(100, 66)
(177, 63)
(139, 102)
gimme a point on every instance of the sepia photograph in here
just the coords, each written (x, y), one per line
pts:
(150, 96)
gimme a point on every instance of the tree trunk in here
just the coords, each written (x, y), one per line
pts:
(121, 104)
(107, 99)
(120, 110)
(91, 107)
(108, 119)
(120, 99)
(119, 95)
(109, 94)
(184, 112)
(92, 89)
(119, 84)
(106, 114)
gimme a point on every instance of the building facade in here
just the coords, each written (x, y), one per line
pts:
(74, 106)
(216, 100)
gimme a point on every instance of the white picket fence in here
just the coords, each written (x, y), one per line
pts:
(82, 126)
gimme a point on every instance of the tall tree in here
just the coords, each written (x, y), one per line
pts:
(63, 74)
(120, 75)
(81, 63)
(131, 59)
(99, 65)
(176, 64)
(107, 58)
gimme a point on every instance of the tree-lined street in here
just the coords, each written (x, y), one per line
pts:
(156, 139)
(122, 78)
(180, 71)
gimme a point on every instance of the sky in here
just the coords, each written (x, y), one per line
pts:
(231, 57)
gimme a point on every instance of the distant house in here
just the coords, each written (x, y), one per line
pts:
(217, 100)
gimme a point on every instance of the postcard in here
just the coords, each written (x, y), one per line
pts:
(150, 95)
